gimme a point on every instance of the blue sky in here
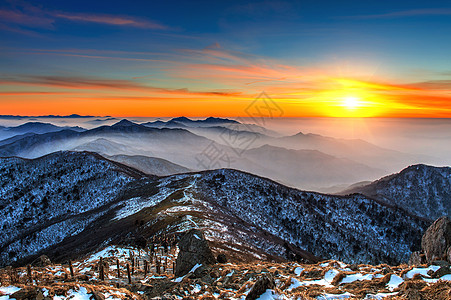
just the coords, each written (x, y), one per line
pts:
(401, 42)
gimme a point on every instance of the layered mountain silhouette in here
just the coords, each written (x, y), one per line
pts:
(34, 127)
(304, 160)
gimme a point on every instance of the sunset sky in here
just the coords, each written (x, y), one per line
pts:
(213, 58)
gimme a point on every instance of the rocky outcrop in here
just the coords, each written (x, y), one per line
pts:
(42, 261)
(194, 253)
(437, 240)
(435, 244)
(264, 283)
(417, 258)
(222, 258)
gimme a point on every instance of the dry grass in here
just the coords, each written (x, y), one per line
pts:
(228, 281)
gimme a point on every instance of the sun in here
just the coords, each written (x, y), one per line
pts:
(351, 102)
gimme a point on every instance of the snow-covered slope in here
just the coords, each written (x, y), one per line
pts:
(68, 203)
(352, 229)
(420, 189)
(42, 201)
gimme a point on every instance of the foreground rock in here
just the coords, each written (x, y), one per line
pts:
(256, 280)
(194, 252)
(437, 240)
(265, 282)
(42, 261)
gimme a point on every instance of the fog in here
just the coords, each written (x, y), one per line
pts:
(329, 155)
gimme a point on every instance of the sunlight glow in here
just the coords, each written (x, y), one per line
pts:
(351, 102)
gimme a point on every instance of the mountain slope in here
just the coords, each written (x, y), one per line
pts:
(68, 203)
(45, 200)
(422, 190)
(150, 165)
(34, 127)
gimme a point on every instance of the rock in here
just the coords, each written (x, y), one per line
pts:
(194, 250)
(207, 279)
(441, 272)
(440, 263)
(25, 294)
(42, 261)
(40, 296)
(97, 296)
(81, 277)
(265, 282)
(416, 259)
(222, 258)
(448, 255)
(437, 239)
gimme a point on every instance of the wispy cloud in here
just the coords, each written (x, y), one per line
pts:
(29, 16)
(18, 17)
(436, 84)
(82, 83)
(111, 20)
(35, 93)
(403, 14)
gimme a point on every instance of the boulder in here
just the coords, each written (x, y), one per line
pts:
(28, 293)
(441, 263)
(222, 258)
(437, 239)
(97, 296)
(265, 282)
(194, 253)
(42, 261)
(441, 272)
(417, 258)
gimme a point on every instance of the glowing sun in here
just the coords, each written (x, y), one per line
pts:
(351, 102)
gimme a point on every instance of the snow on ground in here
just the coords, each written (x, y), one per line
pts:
(8, 290)
(271, 295)
(298, 271)
(379, 296)
(394, 282)
(111, 251)
(422, 271)
(353, 277)
(326, 281)
(335, 296)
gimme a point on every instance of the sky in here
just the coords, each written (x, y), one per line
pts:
(215, 58)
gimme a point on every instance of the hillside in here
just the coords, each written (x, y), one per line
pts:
(45, 200)
(422, 190)
(93, 201)
(150, 165)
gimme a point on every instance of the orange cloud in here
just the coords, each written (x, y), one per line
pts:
(224, 83)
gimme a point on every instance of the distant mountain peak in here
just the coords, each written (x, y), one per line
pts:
(423, 190)
(209, 120)
(219, 120)
(124, 122)
(182, 119)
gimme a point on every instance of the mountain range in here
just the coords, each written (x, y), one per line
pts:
(69, 203)
(299, 161)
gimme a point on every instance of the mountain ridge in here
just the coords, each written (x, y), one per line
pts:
(422, 189)
(323, 225)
